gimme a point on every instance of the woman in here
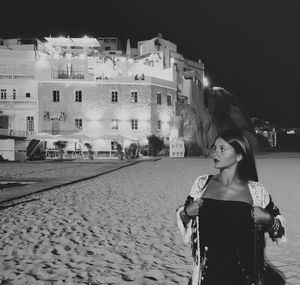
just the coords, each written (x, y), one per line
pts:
(226, 215)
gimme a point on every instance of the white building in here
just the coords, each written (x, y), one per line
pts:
(69, 85)
(18, 96)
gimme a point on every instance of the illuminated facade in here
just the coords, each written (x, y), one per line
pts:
(19, 95)
(89, 85)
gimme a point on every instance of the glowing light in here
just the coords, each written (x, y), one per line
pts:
(173, 134)
(143, 141)
(94, 114)
(164, 117)
(123, 115)
(165, 126)
(94, 127)
(42, 62)
(124, 125)
(114, 124)
(205, 81)
(143, 116)
(143, 125)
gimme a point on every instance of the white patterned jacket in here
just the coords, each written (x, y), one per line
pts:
(260, 197)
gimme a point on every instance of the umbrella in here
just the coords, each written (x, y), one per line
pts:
(59, 137)
(40, 136)
(80, 136)
(116, 137)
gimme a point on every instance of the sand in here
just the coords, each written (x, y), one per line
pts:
(120, 228)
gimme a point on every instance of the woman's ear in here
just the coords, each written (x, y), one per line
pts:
(239, 157)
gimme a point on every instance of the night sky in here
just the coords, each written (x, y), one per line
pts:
(249, 47)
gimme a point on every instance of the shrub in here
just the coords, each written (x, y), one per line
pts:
(144, 150)
(193, 149)
(155, 145)
(131, 151)
(120, 153)
(90, 152)
(61, 146)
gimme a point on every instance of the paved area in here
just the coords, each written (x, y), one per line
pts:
(44, 175)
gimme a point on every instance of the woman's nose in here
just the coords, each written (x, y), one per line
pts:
(213, 154)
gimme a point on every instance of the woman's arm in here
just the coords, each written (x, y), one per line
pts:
(265, 212)
(185, 214)
(271, 219)
(276, 227)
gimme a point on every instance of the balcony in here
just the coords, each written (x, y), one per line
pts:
(16, 73)
(16, 76)
(64, 74)
(12, 103)
(12, 134)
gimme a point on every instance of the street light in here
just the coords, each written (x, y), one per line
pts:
(205, 82)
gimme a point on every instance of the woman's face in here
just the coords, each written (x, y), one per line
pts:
(224, 154)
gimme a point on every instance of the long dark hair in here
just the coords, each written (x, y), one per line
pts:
(246, 167)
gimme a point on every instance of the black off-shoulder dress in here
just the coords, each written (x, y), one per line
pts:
(227, 242)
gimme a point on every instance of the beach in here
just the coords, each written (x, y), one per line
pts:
(120, 228)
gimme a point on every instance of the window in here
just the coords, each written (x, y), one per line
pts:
(133, 96)
(107, 48)
(78, 96)
(78, 124)
(55, 94)
(30, 123)
(27, 95)
(134, 124)
(159, 124)
(14, 94)
(113, 145)
(3, 94)
(114, 96)
(158, 98)
(46, 116)
(169, 100)
(114, 124)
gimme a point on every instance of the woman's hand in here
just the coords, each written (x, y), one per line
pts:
(193, 208)
(261, 216)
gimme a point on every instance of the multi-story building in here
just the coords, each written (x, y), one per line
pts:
(88, 85)
(19, 95)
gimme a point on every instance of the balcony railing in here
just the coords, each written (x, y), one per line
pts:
(16, 76)
(12, 133)
(64, 74)
(15, 102)
(16, 72)
(61, 132)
